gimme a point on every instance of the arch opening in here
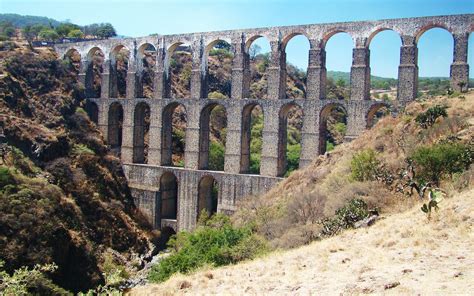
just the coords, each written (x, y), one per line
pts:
(435, 55)
(208, 197)
(252, 139)
(297, 56)
(92, 111)
(259, 51)
(115, 124)
(219, 57)
(384, 61)
(376, 112)
(94, 69)
(147, 63)
(141, 128)
(338, 63)
(179, 71)
(165, 234)
(169, 196)
(174, 122)
(289, 138)
(119, 63)
(332, 127)
(212, 140)
(73, 60)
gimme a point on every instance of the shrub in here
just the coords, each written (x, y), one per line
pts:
(293, 158)
(345, 217)
(81, 149)
(216, 156)
(434, 162)
(364, 165)
(215, 242)
(6, 177)
(428, 118)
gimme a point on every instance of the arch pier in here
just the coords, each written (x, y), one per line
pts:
(137, 126)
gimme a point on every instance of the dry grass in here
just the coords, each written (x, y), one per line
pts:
(403, 250)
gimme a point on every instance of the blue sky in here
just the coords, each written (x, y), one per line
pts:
(144, 17)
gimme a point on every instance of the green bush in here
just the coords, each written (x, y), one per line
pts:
(432, 163)
(215, 242)
(293, 158)
(428, 118)
(364, 165)
(216, 156)
(345, 217)
(6, 177)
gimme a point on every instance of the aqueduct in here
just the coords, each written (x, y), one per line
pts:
(171, 196)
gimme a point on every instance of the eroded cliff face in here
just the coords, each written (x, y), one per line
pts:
(63, 196)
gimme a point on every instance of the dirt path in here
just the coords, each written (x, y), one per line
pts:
(402, 254)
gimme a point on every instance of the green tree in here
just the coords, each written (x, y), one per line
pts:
(106, 31)
(75, 34)
(63, 30)
(48, 35)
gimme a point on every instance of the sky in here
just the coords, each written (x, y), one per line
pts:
(143, 17)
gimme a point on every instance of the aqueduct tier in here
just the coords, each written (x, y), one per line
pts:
(173, 197)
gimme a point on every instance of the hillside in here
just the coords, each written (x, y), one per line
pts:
(20, 21)
(377, 175)
(401, 254)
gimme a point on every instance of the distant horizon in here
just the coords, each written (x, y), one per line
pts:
(165, 17)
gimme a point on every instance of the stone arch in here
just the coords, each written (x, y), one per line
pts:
(178, 68)
(373, 115)
(204, 135)
(73, 58)
(208, 196)
(168, 196)
(323, 123)
(167, 148)
(92, 111)
(329, 34)
(342, 62)
(115, 125)
(295, 86)
(94, 69)
(218, 67)
(253, 38)
(284, 114)
(146, 70)
(257, 90)
(246, 138)
(141, 127)
(430, 26)
(120, 57)
(379, 30)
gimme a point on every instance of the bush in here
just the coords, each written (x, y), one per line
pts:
(364, 165)
(293, 158)
(346, 217)
(428, 118)
(6, 177)
(434, 162)
(215, 242)
(216, 156)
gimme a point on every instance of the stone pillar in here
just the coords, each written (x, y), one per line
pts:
(198, 73)
(310, 133)
(191, 153)
(106, 83)
(86, 76)
(460, 68)
(277, 72)
(316, 74)
(103, 120)
(82, 72)
(127, 132)
(407, 71)
(240, 72)
(270, 136)
(356, 119)
(131, 80)
(233, 140)
(154, 135)
(360, 72)
(160, 85)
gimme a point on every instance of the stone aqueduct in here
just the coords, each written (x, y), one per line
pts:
(171, 196)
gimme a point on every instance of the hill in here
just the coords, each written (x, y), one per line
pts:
(20, 21)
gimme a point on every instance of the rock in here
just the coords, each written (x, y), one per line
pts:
(366, 222)
(391, 285)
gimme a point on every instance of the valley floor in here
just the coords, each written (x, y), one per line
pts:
(401, 254)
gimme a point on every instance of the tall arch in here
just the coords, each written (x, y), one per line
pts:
(146, 70)
(332, 126)
(168, 196)
(208, 196)
(259, 51)
(218, 64)
(94, 69)
(435, 54)
(338, 46)
(73, 59)
(141, 127)
(119, 63)
(92, 111)
(375, 113)
(211, 150)
(178, 69)
(251, 139)
(384, 45)
(115, 124)
(289, 138)
(296, 47)
(173, 137)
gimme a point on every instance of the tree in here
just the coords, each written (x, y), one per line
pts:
(254, 50)
(106, 31)
(48, 35)
(75, 34)
(64, 29)
(221, 44)
(36, 29)
(29, 34)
